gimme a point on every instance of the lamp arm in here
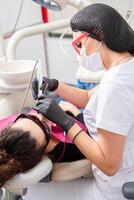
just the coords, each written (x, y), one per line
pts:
(33, 30)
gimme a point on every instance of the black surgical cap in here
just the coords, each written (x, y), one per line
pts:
(104, 23)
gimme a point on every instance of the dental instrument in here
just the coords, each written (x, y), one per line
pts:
(28, 87)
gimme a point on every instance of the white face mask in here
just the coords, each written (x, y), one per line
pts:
(92, 62)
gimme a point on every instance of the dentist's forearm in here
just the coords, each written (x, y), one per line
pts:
(92, 150)
(76, 96)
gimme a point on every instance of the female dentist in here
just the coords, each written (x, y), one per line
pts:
(105, 41)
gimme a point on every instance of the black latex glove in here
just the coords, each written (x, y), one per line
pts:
(47, 84)
(53, 112)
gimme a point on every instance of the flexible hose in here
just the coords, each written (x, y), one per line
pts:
(63, 49)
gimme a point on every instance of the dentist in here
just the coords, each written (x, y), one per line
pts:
(105, 41)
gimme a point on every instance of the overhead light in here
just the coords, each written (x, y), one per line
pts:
(58, 5)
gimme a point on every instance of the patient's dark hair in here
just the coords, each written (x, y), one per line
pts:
(19, 152)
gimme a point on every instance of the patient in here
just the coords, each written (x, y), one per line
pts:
(24, 143)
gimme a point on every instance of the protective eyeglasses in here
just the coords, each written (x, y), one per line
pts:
(77, 42)
(41, 124)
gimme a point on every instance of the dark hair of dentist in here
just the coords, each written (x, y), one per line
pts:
(105, 40)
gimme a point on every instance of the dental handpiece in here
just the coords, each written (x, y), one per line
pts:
(45, 92)
(39, 76)
(28, 86)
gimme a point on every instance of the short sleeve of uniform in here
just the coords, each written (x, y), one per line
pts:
(115, 109)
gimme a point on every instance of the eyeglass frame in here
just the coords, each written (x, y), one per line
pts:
(78, 39)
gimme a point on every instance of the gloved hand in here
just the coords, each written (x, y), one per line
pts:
(52, 111)
(47, 84)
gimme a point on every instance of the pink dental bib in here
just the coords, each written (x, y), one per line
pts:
(57, 132)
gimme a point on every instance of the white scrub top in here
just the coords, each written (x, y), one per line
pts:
(111, 108)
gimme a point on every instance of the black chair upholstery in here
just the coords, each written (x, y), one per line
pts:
(128, 190)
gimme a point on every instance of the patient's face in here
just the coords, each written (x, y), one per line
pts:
(34, 129)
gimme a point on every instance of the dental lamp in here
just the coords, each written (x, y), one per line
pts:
(58, 5)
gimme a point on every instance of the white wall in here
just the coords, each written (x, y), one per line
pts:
(9, 11)
(31, 47)
(60, 66)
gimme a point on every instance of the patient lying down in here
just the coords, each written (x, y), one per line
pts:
(24, 143)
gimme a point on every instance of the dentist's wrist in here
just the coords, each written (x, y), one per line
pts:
(74, 130)
(60, 89)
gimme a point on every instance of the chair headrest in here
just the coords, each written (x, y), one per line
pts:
(31, 177)
(65, 171)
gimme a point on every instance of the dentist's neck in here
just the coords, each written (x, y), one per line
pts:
(111, 58)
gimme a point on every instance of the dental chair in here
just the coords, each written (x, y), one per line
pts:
(19, 183)
(128, 190)
(46, 171)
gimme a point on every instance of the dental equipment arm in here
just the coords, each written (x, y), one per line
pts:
(32, 30)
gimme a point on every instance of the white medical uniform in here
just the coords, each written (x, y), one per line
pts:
(112, 108)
